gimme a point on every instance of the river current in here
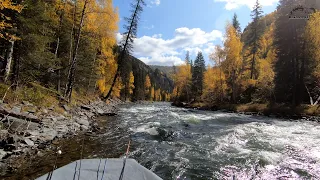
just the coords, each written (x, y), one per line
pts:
(177, 143)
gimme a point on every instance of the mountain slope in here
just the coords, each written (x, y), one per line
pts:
(158, 79)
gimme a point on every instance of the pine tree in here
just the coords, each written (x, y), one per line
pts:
(188, 60)
(256, 14)
(197, 75)
(128, 37)
(236, 24)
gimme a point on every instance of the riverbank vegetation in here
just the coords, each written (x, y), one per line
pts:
(273, 65)
(65, 50)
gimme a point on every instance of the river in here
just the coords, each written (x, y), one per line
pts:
(190, 144)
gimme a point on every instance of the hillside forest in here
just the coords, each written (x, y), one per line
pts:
(275, 59)
(68, 49)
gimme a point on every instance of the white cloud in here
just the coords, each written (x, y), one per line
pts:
(156, 2)
(233, 4)
(158, 51)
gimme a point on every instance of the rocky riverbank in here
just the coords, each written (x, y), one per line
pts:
(28, 129)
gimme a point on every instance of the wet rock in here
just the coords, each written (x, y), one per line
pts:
(83, 121)
(28, 142)
(65, 107)
(21, 125)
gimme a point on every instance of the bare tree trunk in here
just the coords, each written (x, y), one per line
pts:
(234, 86)
(311, 99)
(57, 48)
(8, 60)
(72, 31)
(71, 73)
(16, 66)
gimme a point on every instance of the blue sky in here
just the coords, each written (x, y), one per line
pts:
(169, 28)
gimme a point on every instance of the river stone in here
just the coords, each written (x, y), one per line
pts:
(3, 134)
(16, 110)
(48, 134)
(83, 121)
(51, 108)
(100, 111)
(60, 117)
(84, 128)
(85, 107)
(21, 125)
(3, 153)
(28, 142)
(27, 103)
(45, 111)
(30, 109)
(76, 125)
(63, 128)
(89, 114)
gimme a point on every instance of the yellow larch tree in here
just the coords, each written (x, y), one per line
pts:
(102, 19)
(131, 83)
(183, 80)
(232, 65)
(265, 62)
(147, 85)
(214, 84)
(5, 19)
(152, 94)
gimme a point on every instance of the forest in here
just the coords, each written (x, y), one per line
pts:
(274, 60)
(67, 50)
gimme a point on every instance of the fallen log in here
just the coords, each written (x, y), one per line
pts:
(4, 112)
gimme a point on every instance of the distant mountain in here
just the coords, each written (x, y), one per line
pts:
(168, 70)
(159, 78)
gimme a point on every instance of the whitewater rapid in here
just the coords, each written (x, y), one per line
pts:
(190, 144)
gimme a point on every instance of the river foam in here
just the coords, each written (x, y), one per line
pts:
(218, 145)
